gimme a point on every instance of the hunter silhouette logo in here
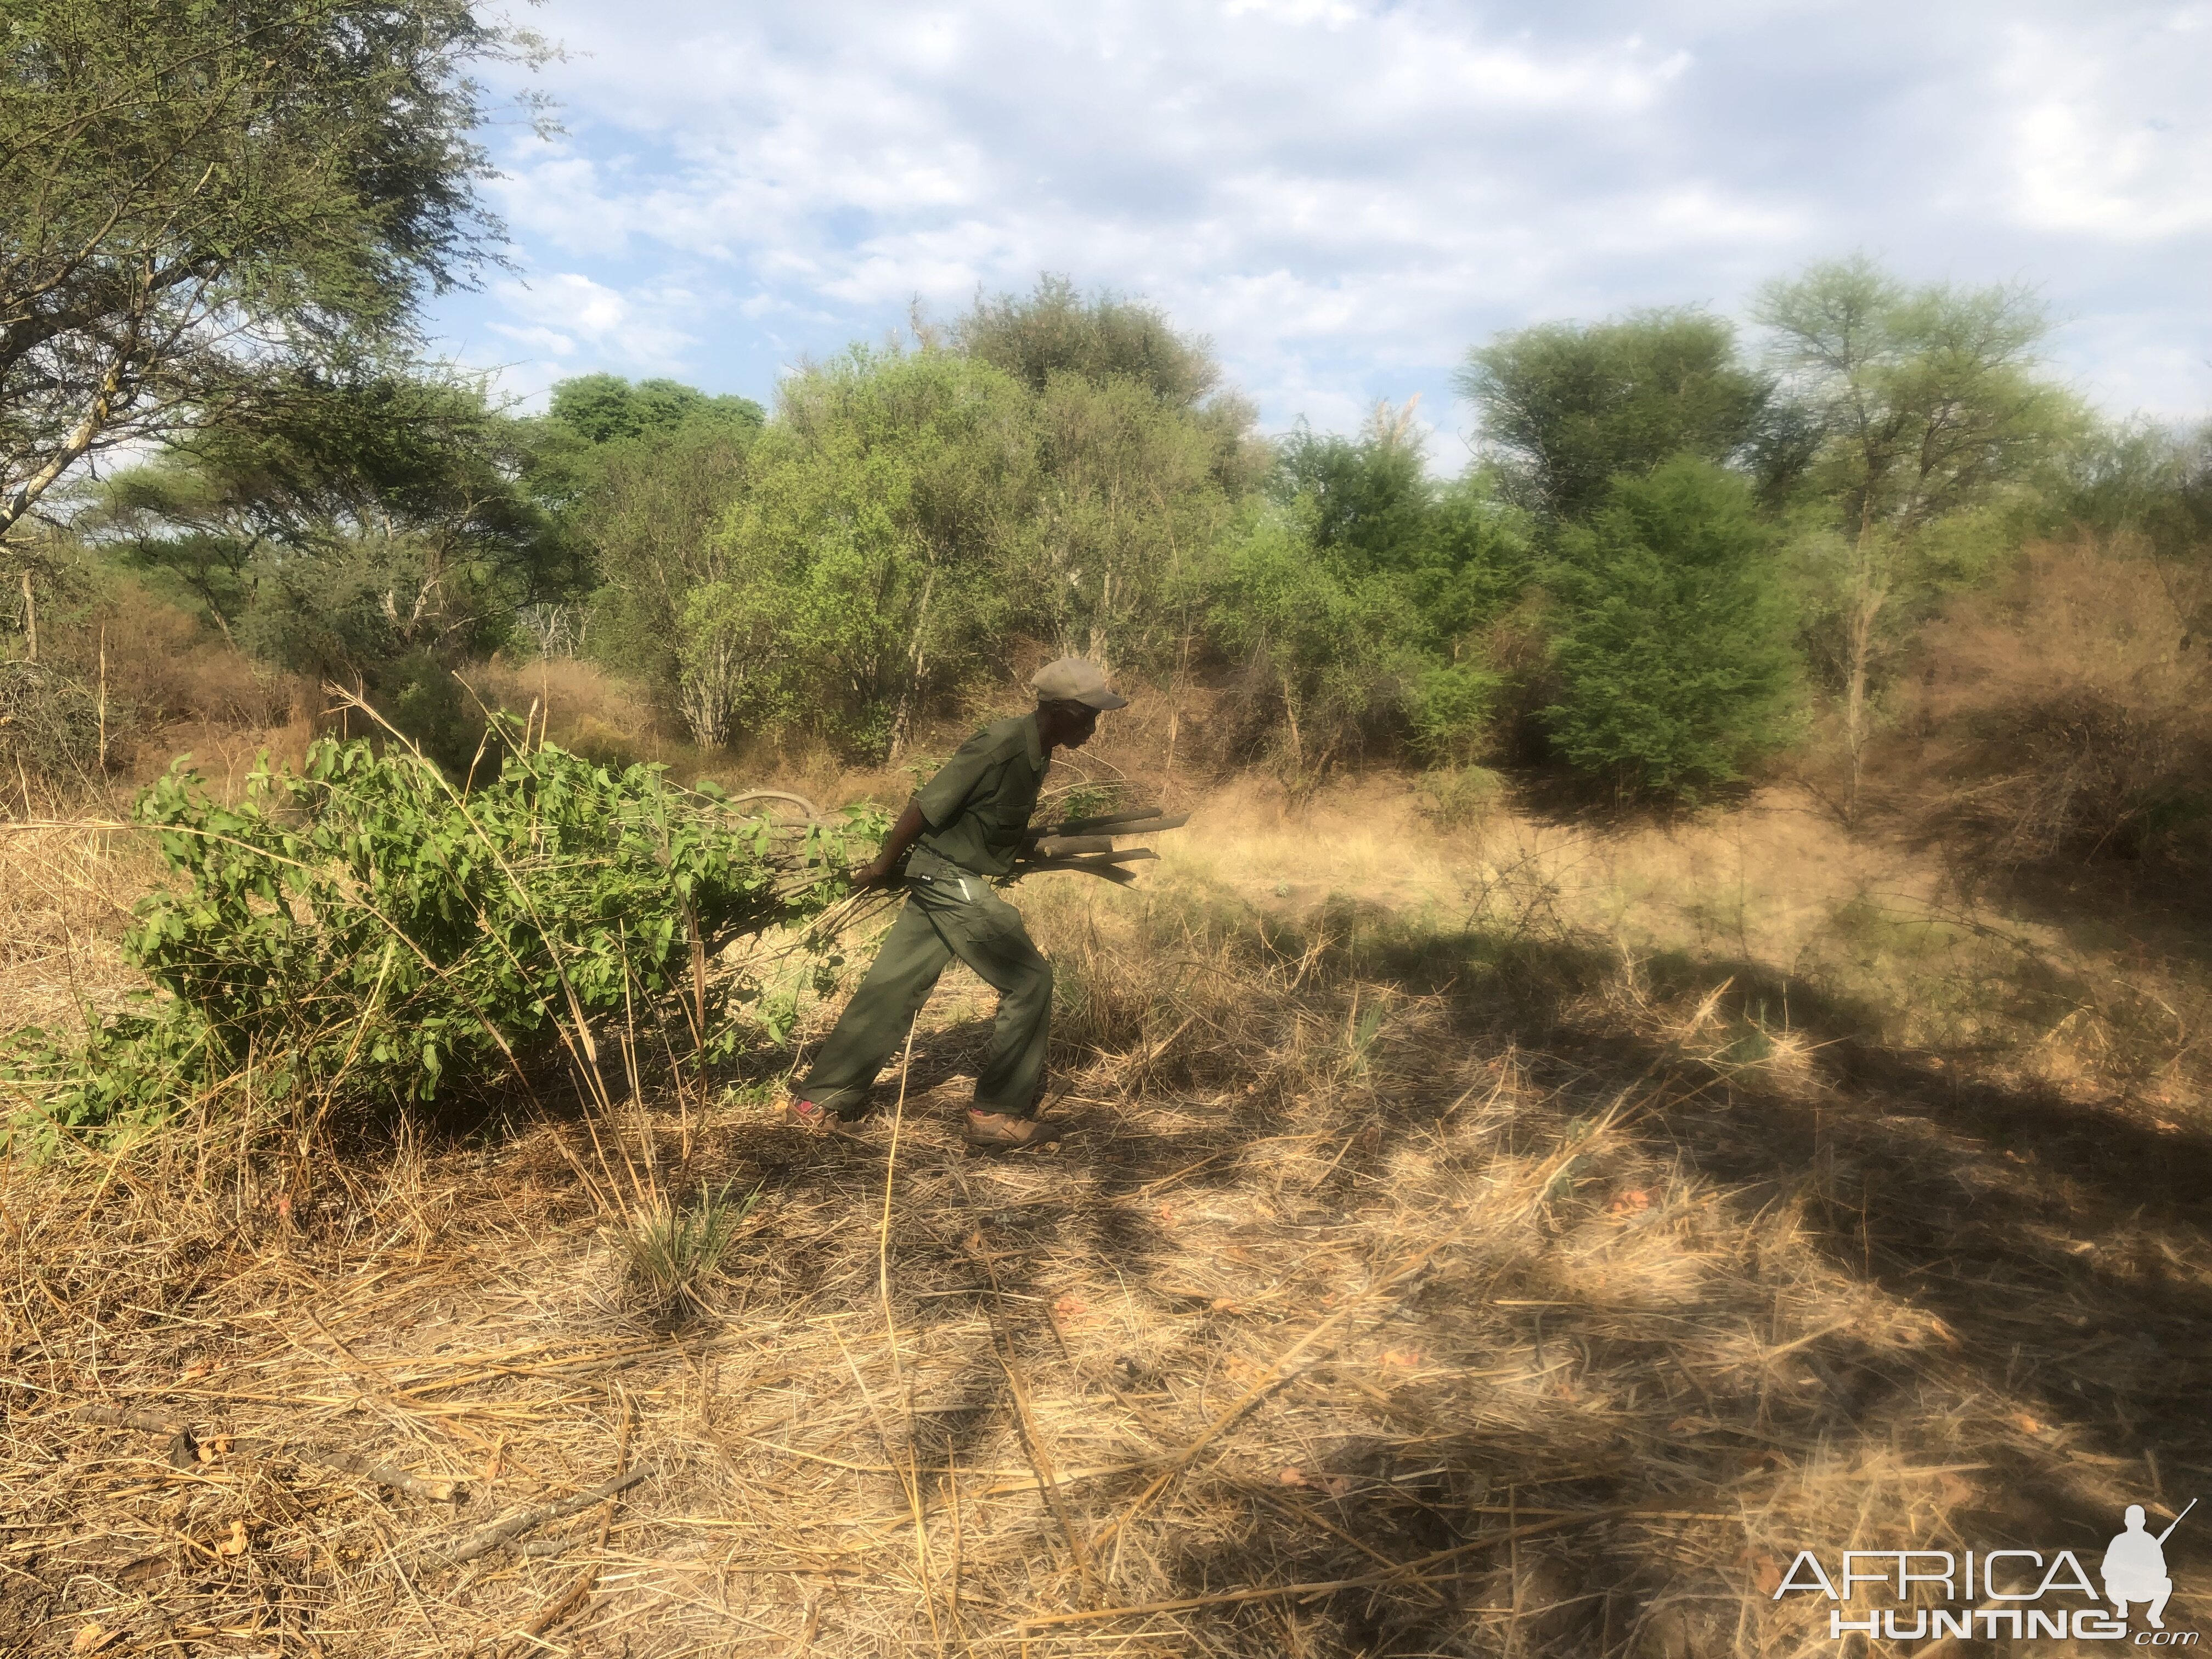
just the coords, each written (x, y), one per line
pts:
(2000, 1593)
(2134, 1567)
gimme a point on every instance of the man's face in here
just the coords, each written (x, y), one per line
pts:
(1079, 721)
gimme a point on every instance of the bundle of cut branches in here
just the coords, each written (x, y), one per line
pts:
(1086, 844)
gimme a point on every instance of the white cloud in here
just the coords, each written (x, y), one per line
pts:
(1329, 13)
(540, 339)
(1344, 194)
(630, 329)
(2110, 123)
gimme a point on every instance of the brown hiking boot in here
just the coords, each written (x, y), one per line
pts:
(1002, 1132)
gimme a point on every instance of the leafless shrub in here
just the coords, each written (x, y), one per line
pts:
(2069, 718)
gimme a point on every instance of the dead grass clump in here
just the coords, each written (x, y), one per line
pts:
(123, 682)
(52, 733)
(582, 706)
(65, 895)
(165, 667)
(673, 1249)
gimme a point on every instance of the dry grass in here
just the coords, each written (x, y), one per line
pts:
(2062, 719)
(582, 706)
(66, 895)
(1441, 1266)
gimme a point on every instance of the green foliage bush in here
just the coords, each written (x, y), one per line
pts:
(1672, 643)
(1353, 598)
(365, 927)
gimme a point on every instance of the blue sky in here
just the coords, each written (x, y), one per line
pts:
(1345, 196)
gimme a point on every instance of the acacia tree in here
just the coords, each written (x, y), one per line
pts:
(1141, 451)
(1923, 404)
(333, 522)
(1057, 330)
(1572, 406)
(652, 515)
(190, 193)
(1127, 494)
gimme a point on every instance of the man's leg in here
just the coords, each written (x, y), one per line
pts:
(987, 934)
(2158, 1604)
(876, 1020)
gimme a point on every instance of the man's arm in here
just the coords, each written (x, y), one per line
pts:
(935, 805)
(906, 831)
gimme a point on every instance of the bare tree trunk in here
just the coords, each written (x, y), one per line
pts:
(916, 662)
(1175, 716)
(105, 406)
(1869, 591)
(707, 691)
(1099, 621)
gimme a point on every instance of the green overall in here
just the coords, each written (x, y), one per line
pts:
(978, 806)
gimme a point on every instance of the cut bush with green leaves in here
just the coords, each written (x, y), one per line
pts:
(364, 925)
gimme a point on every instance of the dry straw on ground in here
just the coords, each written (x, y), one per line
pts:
(1457, 1287)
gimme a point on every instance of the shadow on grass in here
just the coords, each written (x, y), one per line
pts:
(2052, 1243)
(1834, 1264)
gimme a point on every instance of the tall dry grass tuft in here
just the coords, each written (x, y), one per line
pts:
(580, 706)
(674, 1249)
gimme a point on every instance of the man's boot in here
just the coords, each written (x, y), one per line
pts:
(1002, 1132)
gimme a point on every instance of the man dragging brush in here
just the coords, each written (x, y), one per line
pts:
(965, 826)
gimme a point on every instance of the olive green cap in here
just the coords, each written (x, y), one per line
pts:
(1075, 679)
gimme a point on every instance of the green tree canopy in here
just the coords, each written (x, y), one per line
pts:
(1571, 406)
(190, 193)
(1453, 552)
(1056, 330)
(608, 463)
(602, 408)
(1127, 494)
(1328, 656)
(371, 526)
(1056, 333)
(652, 519)
(1354, 598)
(1924, 405)
(1367, 501)
(856, 557)
(882, 534)
(1673, 648)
